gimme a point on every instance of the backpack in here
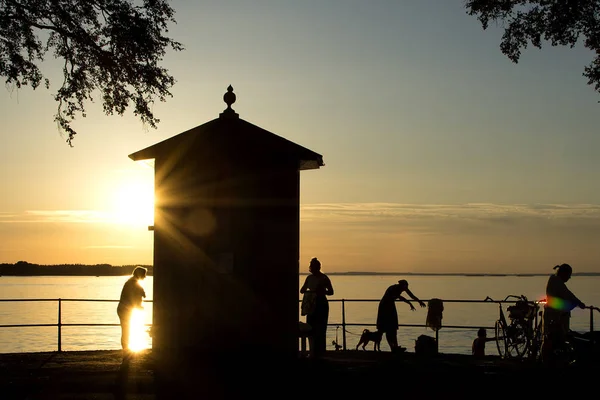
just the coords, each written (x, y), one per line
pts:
(426, 346)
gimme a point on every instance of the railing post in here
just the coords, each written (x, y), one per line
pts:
(59, 325)
(344, 323)
(591, 319)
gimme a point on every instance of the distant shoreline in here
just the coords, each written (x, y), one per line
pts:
(23, 268)
(473, 274)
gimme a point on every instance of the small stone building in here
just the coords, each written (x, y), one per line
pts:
(226, 238)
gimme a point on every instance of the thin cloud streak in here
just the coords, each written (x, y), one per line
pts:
(108, 247)
(480, 237)
(61, 216)
(469, 210)
(447, 218)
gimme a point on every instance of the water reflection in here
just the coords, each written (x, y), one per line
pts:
(74, 338)
(13, 340)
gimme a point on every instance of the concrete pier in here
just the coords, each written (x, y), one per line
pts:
(343, 374)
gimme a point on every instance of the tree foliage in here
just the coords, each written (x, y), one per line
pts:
(558, 22)
(110, 47)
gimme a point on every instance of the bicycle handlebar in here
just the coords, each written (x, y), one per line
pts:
(518, 297)
(521, 297)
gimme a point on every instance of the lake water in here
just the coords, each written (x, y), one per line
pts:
(369, 289)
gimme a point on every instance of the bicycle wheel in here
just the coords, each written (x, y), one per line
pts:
(517, 339)
(535, 348)
(500, 331)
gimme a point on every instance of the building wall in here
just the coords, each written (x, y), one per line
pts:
(225, 255)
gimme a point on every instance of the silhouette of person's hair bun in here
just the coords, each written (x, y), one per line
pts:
(315, 262)
(563, 268)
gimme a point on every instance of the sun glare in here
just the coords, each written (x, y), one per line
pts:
(138, 337)
(133, 204)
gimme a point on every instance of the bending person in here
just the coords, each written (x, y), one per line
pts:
(387, 315)
(131, 298)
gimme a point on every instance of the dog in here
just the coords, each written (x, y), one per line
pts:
(368, 336)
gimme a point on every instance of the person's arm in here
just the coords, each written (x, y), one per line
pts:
(304, 287)
(328, 286)
(415, 298)
(412, 308)
(140, 295)
(566, 294)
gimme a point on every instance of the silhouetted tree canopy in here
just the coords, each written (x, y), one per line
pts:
(559, 22)
(110, 46)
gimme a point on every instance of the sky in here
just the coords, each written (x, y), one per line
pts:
(441, 155)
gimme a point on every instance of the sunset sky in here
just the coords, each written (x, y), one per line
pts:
(441, 155)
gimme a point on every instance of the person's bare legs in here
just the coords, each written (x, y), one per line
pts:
(392, 339)
(125, 319)
(125, 335)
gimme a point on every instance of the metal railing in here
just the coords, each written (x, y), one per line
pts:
(344, 323)
(59, 324)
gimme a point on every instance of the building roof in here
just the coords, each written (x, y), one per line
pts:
(230, 131)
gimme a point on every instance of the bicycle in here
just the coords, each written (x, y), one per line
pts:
(521, 334)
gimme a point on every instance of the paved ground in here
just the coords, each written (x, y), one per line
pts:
(350, 374)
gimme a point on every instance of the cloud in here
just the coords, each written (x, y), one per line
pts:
(351, 236)
(5, 216)
(457, 237)
(58, 216)
(418, 217)
(445, 217)
(469, 210)
(108, 247)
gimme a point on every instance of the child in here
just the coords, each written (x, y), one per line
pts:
(478, 348)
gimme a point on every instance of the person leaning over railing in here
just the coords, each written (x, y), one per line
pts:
(387, 315)
(131, 298)
(557, 311)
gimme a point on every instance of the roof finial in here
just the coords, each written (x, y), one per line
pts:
(229, 99)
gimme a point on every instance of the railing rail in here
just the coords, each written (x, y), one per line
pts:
(59, 324)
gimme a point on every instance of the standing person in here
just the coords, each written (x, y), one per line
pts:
(387, 315)
(131, 298)
(316, 288)
(557, 311)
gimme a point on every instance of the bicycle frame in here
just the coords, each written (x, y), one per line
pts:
(519, 337)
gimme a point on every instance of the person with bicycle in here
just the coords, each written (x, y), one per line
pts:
(557, 310)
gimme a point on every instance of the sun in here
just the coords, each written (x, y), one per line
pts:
(133, 203)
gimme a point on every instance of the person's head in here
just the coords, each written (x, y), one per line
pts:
(315, 265)
(481, 333)
(139, 272)
(564, 271)
(403, 283)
